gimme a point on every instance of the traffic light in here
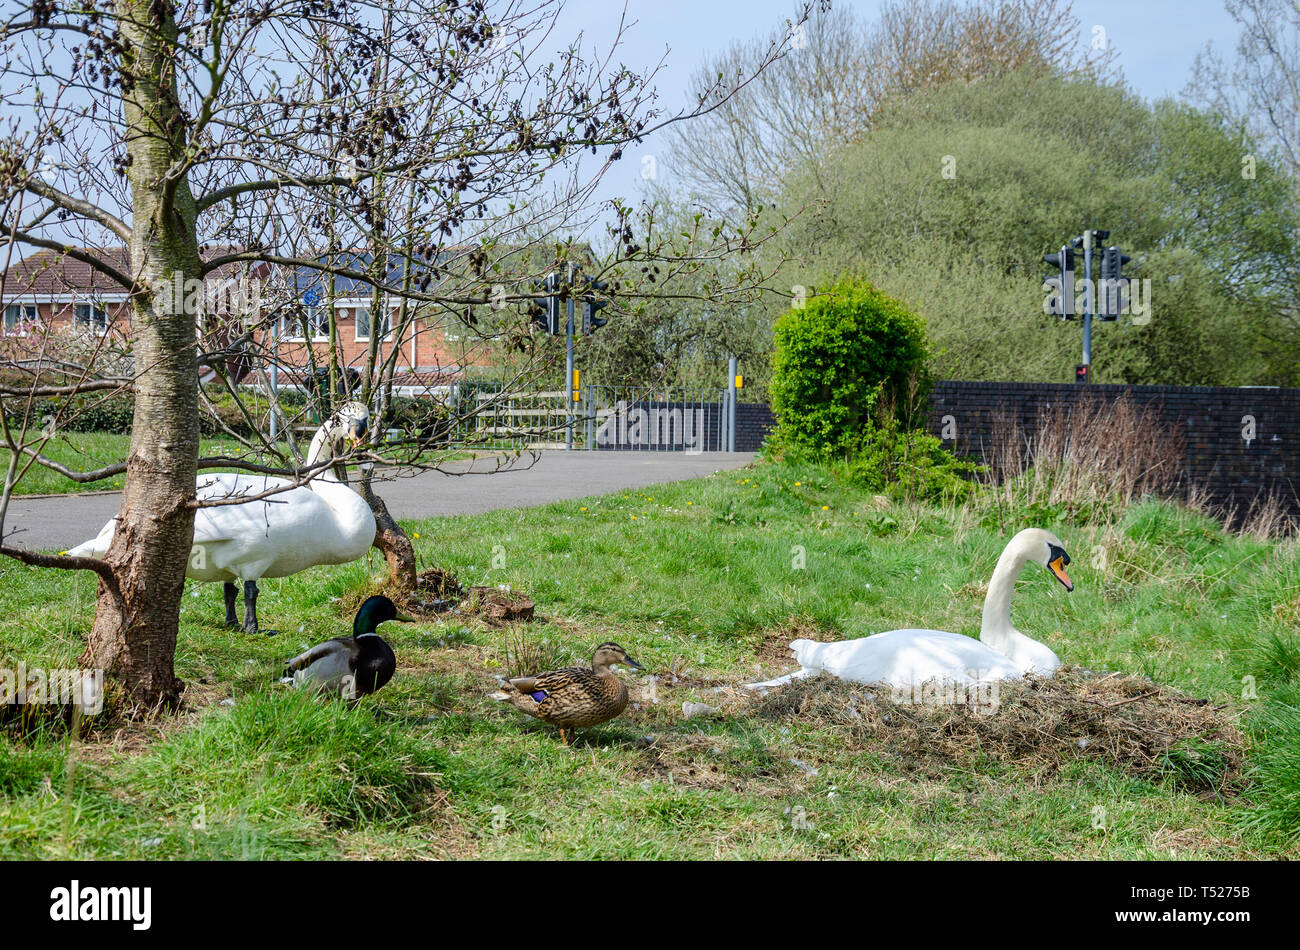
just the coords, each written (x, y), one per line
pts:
(591, 303)
(1112, 289)
(545, 313)
(1061, 303)
(1081, 372)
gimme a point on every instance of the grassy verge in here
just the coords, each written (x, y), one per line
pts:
(703, 582)
(86, 451)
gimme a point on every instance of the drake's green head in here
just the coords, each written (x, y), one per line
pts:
(375, 611)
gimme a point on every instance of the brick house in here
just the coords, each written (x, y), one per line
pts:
(52, 293)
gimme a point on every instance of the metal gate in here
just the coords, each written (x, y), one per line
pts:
(664, 421)
(604, 418)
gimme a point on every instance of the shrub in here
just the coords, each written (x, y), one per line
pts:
(423, 418)
(845, 352)
(910, 465)
(92, 412)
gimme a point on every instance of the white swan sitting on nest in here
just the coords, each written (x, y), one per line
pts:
(910, 658)
(321, 522)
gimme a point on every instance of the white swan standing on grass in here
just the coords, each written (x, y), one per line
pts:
(321, 522)
(910, 658)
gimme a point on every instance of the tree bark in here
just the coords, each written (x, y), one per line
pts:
(134, 635)
(391, 540)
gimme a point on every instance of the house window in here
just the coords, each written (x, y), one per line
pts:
(363, 323)
(91, 317)
(317, 322)
(20, 318)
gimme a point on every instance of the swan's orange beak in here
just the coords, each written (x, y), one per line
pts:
(1057, 567)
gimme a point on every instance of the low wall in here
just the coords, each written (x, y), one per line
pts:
(1213, 421)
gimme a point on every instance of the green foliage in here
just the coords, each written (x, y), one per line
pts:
(847, 352)
(910, 465)
(94, 412)
(424, 418)
(1035, 159)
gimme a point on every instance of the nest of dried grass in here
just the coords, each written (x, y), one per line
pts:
(496, 606)
(435, 592)
(1148, 731)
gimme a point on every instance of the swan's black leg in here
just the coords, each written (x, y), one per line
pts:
(230, 592)
(250, 606)
(250, 610)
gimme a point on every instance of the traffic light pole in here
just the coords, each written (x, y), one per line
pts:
(568, 370)
(731, 404)
(1088, 304)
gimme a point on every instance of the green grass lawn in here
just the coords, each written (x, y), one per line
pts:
(701, 582)
(87, 451)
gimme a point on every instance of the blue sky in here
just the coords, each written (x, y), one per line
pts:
(1156, 42)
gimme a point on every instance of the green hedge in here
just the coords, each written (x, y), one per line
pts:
(94, 413)
(847, 353)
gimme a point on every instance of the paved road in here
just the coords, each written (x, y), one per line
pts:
(55, 523)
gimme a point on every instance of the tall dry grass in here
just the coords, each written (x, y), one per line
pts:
(1094, 458)
(1267, 516)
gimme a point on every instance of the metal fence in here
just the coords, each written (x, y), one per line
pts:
(601, 418)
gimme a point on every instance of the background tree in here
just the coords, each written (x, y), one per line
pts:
(840, 71)
(952, 200)
(1262, 85)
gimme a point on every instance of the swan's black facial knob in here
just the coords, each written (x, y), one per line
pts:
(1056, 561)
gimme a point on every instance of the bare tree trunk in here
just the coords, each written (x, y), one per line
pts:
(134, 635)
(391, 540)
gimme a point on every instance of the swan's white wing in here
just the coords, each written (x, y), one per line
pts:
(281, 534)
(907, 658)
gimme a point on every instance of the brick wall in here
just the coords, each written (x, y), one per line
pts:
(1215, 455)
(753, 419)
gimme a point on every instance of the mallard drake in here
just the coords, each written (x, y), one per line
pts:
(321, 522)
(574, 697)
(351, 666)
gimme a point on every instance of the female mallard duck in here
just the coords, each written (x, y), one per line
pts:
(573, 698)
(356, 665)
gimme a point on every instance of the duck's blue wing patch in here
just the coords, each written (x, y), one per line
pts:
(539, 695)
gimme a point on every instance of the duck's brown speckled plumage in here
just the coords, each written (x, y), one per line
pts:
(573, 697)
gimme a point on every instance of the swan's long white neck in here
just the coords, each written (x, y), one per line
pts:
(996, 629)
(350, 508)
(319, 452)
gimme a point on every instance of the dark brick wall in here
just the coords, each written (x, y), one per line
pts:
(1215, 455)
(753, 419)
(1210, 418)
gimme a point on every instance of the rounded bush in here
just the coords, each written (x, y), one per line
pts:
(846, 353)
